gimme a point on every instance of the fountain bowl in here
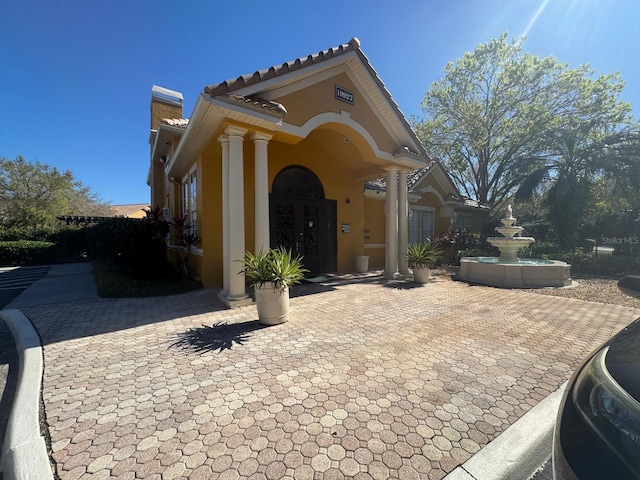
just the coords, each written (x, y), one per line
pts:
(522, 273)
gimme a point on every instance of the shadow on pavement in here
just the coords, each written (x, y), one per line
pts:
(219, 336)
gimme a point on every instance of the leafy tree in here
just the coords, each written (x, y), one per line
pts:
(493, 117)
(32, 194)
(596, 145)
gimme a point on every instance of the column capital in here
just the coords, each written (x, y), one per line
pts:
(404, 171)
(235, 131)
(392, 168)
(259, 136)
(223, 139)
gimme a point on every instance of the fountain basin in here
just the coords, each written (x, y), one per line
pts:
(524, 273)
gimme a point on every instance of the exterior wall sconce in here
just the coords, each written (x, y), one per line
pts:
(163, 159)
(347, 201)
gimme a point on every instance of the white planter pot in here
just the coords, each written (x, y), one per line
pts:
(272, 304)
(362, 264)
(421, 274)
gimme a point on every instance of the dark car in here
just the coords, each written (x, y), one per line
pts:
(597, 434)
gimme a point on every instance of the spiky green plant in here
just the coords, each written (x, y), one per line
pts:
(277, 266)
(423, 254)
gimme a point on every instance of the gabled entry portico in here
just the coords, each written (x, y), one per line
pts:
(281, 157)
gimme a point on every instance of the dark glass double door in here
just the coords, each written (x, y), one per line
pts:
(308, 228)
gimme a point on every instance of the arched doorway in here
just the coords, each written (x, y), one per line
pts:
(302, 220)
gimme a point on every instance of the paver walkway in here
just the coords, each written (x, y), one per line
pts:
(368, 380)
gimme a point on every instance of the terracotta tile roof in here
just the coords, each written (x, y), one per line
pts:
(278, 70)
(234, 84)
(259, 103)
(176, 122)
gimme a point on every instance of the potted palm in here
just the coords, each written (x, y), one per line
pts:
(271, 273)
(421, 257)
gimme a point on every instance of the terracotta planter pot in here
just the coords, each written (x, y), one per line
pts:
(272, 304)
(421, 274)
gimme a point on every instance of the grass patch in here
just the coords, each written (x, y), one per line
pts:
(112, 282)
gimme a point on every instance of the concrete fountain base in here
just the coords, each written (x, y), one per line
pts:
(525, 273)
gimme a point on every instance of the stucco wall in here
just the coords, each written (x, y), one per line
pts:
(374, 231)
(320, 97)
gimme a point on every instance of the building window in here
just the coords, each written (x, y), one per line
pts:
(463, 220)
(420, 224)
(189, 202)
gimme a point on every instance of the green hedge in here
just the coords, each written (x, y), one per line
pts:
(14, 234)
(136, 246)
(27, 252)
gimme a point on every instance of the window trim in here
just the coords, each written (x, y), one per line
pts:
(421, 209)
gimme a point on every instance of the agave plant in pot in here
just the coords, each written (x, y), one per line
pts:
(421, 257)
(272, 273)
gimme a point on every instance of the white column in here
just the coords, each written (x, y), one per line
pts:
(391, 233)
(403, 223)
(236, 213)
(261, 194)
(226, 260)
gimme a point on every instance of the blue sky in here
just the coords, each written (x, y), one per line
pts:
(76, 76)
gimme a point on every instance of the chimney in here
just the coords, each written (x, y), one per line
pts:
(165, 103)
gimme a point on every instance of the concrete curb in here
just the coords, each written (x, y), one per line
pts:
(24, 452)
(518, 451)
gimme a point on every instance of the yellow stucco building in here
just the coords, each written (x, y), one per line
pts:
(313, 155)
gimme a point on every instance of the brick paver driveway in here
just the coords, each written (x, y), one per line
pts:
(369, 380)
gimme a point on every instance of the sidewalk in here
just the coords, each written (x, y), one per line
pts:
(377, 379)
(23, 453)
(64, 283)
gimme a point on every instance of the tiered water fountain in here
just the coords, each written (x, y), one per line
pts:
(510, 271)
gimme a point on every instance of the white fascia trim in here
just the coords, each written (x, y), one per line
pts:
(149, 176)
(194, 126)
(376, 109)
(394, 117)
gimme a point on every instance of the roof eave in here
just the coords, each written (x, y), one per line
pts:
(208, 114)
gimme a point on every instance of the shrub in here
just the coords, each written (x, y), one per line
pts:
(606, 265)
(136, 245)
(14, 234)
(460, 239)
(541, 248)
(71, 244)
(26, 252)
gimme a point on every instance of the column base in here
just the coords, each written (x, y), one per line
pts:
(233, 302)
